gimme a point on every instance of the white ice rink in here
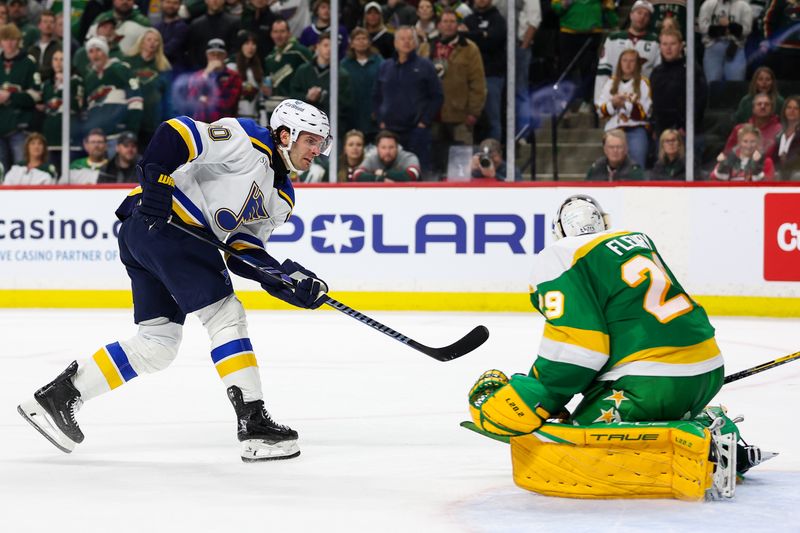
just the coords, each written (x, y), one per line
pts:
(378, 423)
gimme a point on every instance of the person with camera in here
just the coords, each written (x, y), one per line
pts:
(488, 164)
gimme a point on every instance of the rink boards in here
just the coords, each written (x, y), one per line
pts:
(735, 247)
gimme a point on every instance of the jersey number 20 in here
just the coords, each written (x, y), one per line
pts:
(634, 273)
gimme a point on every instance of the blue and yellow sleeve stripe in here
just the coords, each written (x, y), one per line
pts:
(233, 356)
(259, 136)
(186, 210)
(245, 241)
(188, 131)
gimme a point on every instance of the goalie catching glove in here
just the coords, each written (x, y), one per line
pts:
(496, 407)
(156, 203)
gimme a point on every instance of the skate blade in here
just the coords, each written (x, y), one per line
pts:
(37, 417)
(254, 451)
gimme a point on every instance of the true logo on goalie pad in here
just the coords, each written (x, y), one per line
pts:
(623, 436)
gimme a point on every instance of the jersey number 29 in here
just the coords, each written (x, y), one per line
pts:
(635, 272)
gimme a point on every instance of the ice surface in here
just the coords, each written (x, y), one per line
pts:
(378, 423)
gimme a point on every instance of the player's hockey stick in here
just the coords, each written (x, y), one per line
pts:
(462, 346)
(763, 366)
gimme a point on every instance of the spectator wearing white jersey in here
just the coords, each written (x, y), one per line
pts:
(625, 101)
(636, 37)
(35, 169)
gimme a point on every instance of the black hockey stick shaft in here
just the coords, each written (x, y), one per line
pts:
(762, 367)
(463, 346)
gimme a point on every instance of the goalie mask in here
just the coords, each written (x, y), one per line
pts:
(579, 215)
(298, 117)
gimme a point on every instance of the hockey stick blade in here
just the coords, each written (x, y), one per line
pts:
(463, 346)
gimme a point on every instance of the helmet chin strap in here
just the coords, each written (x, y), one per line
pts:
(284, 151)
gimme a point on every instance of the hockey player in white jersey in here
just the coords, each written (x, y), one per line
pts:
(229, 178)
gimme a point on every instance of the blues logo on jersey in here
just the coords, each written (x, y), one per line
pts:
(254, 208)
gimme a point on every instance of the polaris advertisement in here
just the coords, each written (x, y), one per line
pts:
(430, 239)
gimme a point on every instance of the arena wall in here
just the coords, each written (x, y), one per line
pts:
(459, 247)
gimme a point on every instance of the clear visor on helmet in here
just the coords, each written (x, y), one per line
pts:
(312, 140)
(326, 145)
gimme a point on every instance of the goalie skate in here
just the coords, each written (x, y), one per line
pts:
(723, 453)
(52, 411)
(262, 438)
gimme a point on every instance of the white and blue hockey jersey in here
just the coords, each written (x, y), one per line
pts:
(227, 182)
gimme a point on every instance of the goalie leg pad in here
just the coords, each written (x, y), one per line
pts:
(624, 460)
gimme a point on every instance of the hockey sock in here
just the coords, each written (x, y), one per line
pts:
(152, 349)
(231, 350)
(107, 369)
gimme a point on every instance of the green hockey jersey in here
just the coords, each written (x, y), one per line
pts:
(613, 310)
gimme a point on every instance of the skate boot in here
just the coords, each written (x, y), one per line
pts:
(748, 456)
(262, 439)
(52, 410)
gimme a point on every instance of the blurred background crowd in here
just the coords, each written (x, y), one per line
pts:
(599, 86)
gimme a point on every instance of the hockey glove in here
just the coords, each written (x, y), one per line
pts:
(309, 291)
(156, 204)
(496, 407)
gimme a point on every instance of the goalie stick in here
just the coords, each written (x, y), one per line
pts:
(462, 346)
(762, 367)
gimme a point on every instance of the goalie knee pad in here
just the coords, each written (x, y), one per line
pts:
(623, 460)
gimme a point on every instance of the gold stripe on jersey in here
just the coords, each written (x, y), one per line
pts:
(232, 364)
(239, 245)
(287, 198)
(657, 369)
(261, 147)
(596, 341)
(108, 368)
(184, 215)
(580, 347)
(667, 361)
(675, 355)
(136, 190)
(186, 135)
(589, 246)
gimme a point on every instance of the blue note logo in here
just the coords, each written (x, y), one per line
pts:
(254, 208)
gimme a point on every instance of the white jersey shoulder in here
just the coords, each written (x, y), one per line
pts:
(559, 257)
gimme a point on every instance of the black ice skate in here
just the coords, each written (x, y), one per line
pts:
(262, 438)
(52, 411)
(748, 456)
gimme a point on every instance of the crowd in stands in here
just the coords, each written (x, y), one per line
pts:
(416, 78)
